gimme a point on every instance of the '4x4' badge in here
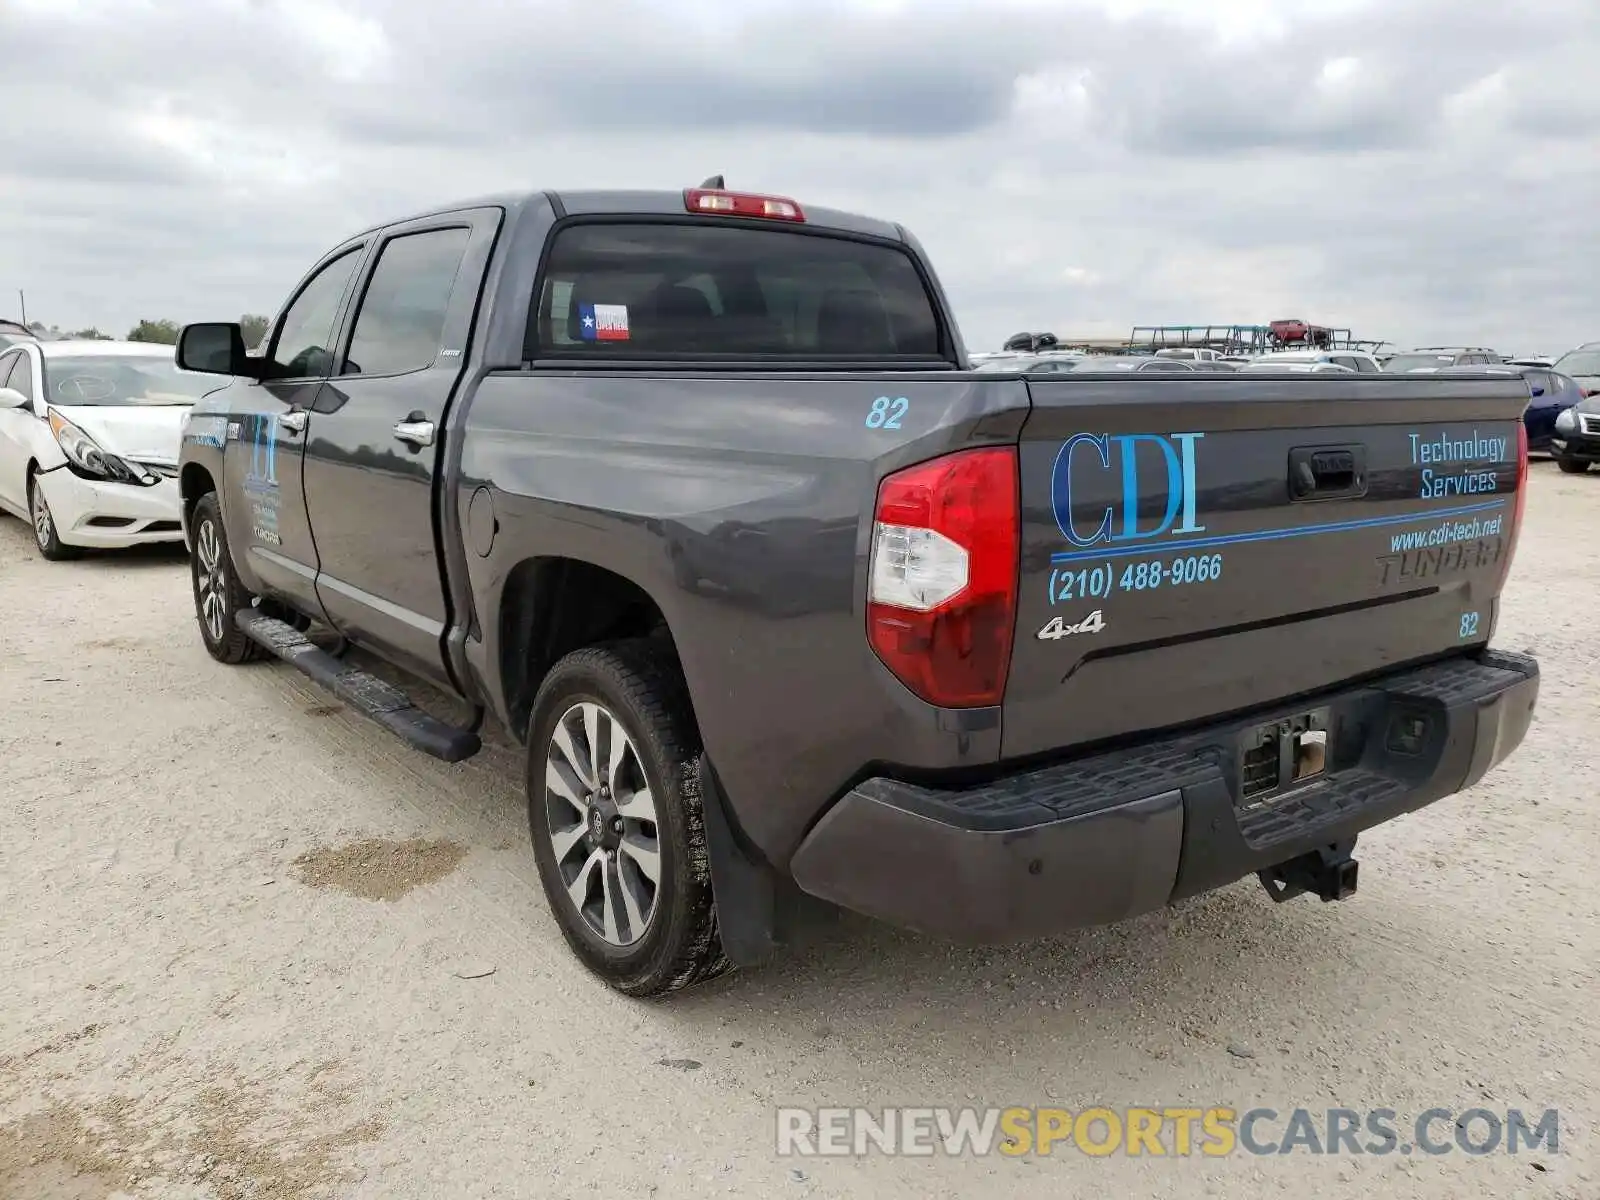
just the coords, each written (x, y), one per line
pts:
(1058, 628)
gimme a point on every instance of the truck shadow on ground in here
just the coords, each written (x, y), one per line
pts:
(1228, 977)
(1226, 982)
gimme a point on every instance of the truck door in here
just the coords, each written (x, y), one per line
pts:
(263, 496)
(376, 439)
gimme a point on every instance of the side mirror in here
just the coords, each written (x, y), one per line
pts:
(1537, 390)
(216, 348)
(11, 398)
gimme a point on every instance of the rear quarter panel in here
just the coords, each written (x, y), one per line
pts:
(743, 505)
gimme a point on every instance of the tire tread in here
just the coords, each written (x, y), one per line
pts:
(646, 674)
(236, 646)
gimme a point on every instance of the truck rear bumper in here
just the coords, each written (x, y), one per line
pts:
(1131, 830)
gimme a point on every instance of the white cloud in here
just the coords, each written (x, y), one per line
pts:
(1416, 169)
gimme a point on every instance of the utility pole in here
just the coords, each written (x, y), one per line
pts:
(22, 298)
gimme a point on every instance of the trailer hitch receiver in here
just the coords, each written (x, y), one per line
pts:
(1328, 872)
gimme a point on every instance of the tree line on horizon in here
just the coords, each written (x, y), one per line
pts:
(163, 331)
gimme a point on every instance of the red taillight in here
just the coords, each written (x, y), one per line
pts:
(942, 583)
(1520, 504)
(741, 204)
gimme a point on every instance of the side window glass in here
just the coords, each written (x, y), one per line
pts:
(401, 319)
(1367, 365)
(303, 349)
(21, 377)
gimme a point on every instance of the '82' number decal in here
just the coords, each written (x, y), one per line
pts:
(1469, 624)
(886, 413)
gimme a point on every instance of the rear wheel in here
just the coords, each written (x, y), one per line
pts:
(1572, 466)
(218, 594)
(615, 814)
(45, 534)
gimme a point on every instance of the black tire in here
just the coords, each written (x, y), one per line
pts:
(1572, 466)
(640, 684)
(45, 535)
(228, 643)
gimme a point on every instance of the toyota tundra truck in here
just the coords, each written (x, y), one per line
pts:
(695, 494)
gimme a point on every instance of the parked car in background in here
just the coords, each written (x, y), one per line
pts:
(1133, 362)
(1437, 358)
(89, 437)
(1531, 360)
(1583, 365)
(1031, 342)
(1576, 443)
(1027, 364)
(14, 333)
(1269, 366)
(1298, 360)
(1550, 393)
(1191, 354)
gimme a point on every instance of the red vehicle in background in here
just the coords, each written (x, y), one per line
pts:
(1297, 334)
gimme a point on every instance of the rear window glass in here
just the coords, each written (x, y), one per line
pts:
(697, 291)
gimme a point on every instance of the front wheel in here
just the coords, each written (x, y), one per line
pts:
(45, 534)
(218, 594)
(1572, 466)
(615, 813)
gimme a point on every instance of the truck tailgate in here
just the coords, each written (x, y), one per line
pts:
(1197, 547)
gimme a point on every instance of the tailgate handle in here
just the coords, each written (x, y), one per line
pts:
(1327, 472)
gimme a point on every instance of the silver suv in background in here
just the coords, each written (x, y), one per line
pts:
(1436, 358)
(1315, 360)
(14, 333)
(1583, 365)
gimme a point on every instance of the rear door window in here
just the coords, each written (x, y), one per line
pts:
(401, 319)
(663, 290)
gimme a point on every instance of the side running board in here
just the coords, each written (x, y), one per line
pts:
(362, 691)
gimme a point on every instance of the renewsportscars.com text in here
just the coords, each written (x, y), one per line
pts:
(1167, 1131)
(1452, 531)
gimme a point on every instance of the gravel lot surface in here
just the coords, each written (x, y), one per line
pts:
(253, 947)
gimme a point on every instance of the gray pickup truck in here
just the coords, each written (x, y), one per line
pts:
(694, 493)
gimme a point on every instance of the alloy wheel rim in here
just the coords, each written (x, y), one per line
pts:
(601, 824)
(42, 524)
(210, 580)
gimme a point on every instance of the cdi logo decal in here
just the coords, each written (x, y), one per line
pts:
(263, 451)
(1100, 464)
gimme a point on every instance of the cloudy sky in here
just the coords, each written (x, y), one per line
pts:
(1420, 170)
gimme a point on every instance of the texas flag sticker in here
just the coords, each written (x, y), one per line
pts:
(603, 322)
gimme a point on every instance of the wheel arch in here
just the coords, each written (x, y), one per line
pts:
(194, 481)
(553, 605)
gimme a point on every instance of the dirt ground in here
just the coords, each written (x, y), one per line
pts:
(253, 948)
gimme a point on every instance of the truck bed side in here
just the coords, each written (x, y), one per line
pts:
(741, 503)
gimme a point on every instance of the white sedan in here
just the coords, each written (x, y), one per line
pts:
(89, 437)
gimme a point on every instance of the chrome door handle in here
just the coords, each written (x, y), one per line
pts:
(418, 433)
(293, 420)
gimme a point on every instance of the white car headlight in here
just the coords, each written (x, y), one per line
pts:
(85, 456)
(1565, 421)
